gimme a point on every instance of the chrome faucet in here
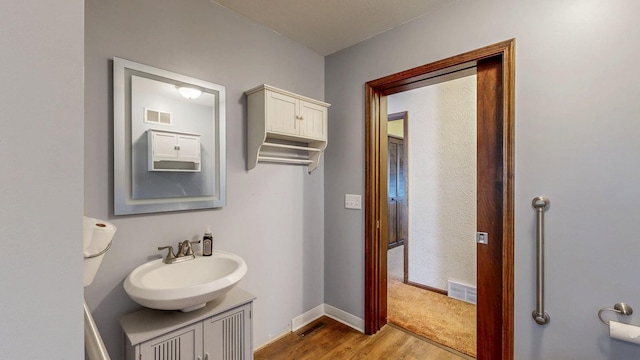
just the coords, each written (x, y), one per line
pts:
(185, 252)
(184, 248)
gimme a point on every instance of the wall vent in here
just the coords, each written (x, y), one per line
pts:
(157, 116)
(462, 292)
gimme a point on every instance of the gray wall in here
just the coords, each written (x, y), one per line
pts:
(41, 183)
(576, 95)
(577, 134)
(274, 214)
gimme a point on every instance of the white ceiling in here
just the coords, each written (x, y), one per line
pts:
(327, 26)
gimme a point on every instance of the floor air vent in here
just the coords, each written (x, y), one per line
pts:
(462, 292)
(312, 329)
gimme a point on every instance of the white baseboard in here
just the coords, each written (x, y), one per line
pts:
(344, 317)
(307, 317)
(330, 311)
(270, 340)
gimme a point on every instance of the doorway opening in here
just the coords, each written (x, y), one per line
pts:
(495, 169)
(436, 298)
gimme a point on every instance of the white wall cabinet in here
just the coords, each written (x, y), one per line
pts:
(285, 127)
(173, 151)
(288, 115)
(222, 330)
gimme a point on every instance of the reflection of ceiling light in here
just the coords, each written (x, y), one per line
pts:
(189, 92)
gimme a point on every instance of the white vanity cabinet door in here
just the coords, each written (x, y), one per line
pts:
(182, 344)
(228, 336)
(282, 114)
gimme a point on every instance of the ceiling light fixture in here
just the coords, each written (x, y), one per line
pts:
(189, 92)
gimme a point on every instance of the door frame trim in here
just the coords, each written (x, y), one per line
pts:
(375, 170)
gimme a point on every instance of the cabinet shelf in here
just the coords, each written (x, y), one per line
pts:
(293, 147)
(284, 127)
(284, 160)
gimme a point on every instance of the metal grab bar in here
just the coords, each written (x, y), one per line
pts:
(93, 345)
(540, 203)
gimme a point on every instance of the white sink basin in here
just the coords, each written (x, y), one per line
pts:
(184, 286)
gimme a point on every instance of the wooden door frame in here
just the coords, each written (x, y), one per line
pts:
(496, 100)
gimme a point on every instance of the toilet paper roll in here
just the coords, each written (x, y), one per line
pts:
(101, 232)
(97, 236)
(624, 332)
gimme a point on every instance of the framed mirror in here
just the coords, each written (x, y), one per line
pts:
(169, 141)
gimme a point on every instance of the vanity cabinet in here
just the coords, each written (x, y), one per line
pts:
(222, 330)
(185, 343)
(173, 151)
(285, 127)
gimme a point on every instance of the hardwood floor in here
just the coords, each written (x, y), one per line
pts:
(326, 339)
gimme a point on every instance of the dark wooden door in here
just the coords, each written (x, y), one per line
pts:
(396, 193)
(493, 213)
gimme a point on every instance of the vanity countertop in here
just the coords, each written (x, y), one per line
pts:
(147, 324)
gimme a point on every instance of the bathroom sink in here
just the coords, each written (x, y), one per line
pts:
(187, 285)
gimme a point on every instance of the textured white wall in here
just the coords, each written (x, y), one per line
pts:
(274, 214)
(576, 141)
(41, 184)
(441, 180)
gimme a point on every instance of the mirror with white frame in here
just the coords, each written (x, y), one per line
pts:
(169, 141)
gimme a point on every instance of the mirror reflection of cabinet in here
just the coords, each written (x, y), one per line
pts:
(148, 98)
(172, 151)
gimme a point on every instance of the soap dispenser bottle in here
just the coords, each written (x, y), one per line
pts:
(207, 243)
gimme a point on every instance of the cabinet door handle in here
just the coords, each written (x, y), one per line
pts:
(206, 356)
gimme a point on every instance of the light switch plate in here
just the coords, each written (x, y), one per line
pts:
(352, 201)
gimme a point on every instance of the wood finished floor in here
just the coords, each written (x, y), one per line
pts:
(337, 341)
